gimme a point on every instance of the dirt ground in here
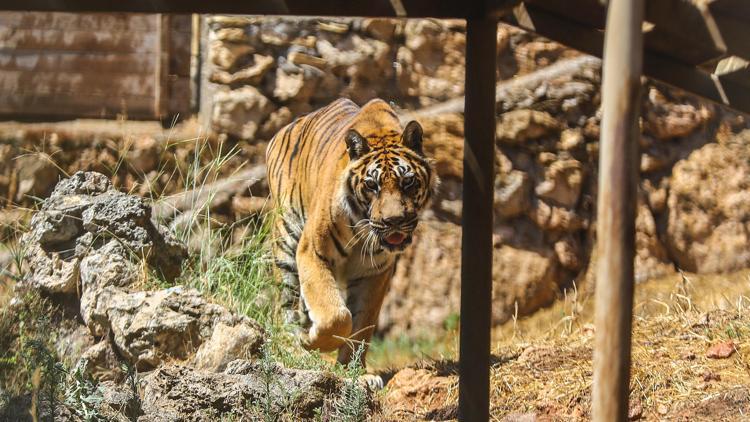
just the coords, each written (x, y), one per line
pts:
(691, 360)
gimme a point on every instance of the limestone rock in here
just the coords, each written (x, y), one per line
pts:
(226, 55)
(513, 197)
(708, 227)
(251, 74)
(300, 58)
(562, 184)
(52, 271)
(149, 327)
(275, 121)
(296, 83)
(667, 119)
(173, 392)
(651, 257)
(571, 139)
(82, 215)
(37, 175)
(518, 126)
(382, 29)
(240, 112)
(418, 306)
(144, 154)
(228, 343)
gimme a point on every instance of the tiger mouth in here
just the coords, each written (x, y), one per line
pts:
(396, 240)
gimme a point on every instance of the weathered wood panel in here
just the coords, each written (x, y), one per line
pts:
(83, 83)
(77, 21)
(94, 65)
(72, 61)
(77, 40)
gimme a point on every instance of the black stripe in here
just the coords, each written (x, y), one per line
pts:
(292, 233)
(301, 202)
(288, 249)
(300, 141)
(323, 258)
(338, 245)
(286, 266)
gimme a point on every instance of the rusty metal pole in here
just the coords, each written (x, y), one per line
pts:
(615, 227)
(476, 242)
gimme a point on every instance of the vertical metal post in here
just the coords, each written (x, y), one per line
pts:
(615, 227)
(476, 242)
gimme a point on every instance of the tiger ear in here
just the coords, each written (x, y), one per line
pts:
(412, 137)
(356, 144)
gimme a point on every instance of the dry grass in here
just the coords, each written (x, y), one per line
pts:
(543, 363)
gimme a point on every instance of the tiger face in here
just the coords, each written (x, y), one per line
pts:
(387, 183)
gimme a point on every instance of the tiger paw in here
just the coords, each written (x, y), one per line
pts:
(329, 332)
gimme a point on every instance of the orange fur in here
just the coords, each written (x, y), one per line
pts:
(350, 183)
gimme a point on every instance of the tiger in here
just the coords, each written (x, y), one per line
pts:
(350, 185)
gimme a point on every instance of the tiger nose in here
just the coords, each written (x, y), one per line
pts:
(399, 219)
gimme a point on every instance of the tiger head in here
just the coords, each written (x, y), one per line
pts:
(388, 182)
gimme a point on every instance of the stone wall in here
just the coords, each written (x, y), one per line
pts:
(260, 73)
(692, 202)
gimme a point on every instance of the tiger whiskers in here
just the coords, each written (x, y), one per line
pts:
(360, 230)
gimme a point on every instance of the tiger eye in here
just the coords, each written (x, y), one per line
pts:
(371, 184)
(407, 181)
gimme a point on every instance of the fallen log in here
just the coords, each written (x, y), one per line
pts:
(205, 196)
(512, 88)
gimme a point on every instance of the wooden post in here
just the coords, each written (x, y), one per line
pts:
(476, 242)
(615, 227)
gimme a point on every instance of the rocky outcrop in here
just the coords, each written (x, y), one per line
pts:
(92, 242)
(92, 245)
(244, 390)
(86, 222)
(708, 208)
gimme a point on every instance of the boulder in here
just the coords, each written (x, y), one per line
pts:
(37, 175)
(563, 180)
(708, 223)
(240, 112)
(523, 273)
(251, 74)
(513, 196)
(149, 327)
(518, 126)
(245, 390)
(666, 118)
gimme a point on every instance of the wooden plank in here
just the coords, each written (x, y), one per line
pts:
(372, 8)
(592, 13)
(67, 61)
(77, 21)
(161, 93)
(683, 29)
(735, 32)
(75, 105)
(740, 9)
(476, 240)
(667, 34)
(77, 40)
(616, 203)
(180, 39)
(665, 69)
(84, 83)
(179, 96)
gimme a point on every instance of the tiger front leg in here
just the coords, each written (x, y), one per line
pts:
(331, 320)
